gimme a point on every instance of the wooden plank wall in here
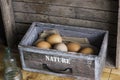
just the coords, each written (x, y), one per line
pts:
(99, 14)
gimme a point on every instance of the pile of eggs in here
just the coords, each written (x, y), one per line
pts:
(54, 41)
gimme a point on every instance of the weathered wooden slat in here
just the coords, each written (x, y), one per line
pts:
(118, 41)
(111, 5)
(29, 18)
(8, 21)
(68, 12)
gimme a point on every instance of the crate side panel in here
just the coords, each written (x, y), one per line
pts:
(102, 57)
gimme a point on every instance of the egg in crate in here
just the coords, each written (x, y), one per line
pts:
(87, 50)
(54, 39)
(43, 45)
(73, 47)
(61, 47)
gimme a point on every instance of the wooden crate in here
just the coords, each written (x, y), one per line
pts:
(98, 14)
(88, 67)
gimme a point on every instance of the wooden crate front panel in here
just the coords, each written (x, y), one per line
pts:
(77, 66)
(89, 66)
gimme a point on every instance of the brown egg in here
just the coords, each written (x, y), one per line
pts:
(54, 39)
(87, 50)
(43, 45)
(61, 47)
(73, 47)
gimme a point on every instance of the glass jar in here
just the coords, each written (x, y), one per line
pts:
(11, 72)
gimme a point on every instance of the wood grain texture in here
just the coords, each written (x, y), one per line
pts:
(67, 12)
(22, 27)
(29, 18)
(95, 36)
(118, 41)
(28, 75)
(108, 73)
(115, 74)
(39, 76)
(110, 5)
(8, 20)
(99, 14)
